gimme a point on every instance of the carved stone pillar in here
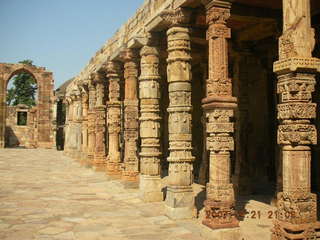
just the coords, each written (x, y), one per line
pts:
(219, 106)
(71, 127)
(296, 69)
(77, 127)
(149, 94)
(131, 114)
(100, 111)
(66, 128)
(113, 119)
(180, 198)
(91, 123)
(85, 106)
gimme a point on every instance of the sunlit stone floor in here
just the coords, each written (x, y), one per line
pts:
(45, 195)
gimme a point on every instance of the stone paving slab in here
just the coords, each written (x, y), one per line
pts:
(45, 195)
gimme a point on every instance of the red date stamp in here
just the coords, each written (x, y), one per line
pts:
(258, 214)
(255, 214)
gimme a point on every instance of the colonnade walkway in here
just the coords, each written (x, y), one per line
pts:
(45, 195)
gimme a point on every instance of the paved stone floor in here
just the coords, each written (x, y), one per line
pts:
(45, 195)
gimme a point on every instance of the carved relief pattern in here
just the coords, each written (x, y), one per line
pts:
(296, 69)
(149, 94)
(113, 118)
(131, 115)
(219, 106)
(297, 110)
(176, 17)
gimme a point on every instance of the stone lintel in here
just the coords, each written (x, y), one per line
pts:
(138, 41)
(154, 24)
(116, 56)
(216, 3)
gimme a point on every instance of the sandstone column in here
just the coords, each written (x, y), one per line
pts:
(180, 198)
(296, 69)
(131, 114)
(100, 115)
(85, 106)
(77, 127)
(66, 127)
(91, 123)
(69, 134)
(113, 119)
(149, 94)
(2, 112)
(219, 106)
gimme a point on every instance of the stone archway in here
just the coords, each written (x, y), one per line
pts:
(45, 84)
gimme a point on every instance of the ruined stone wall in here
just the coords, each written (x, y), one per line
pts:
(45, 83)
(20, 136)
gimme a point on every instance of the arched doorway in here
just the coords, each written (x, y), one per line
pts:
(44, 111)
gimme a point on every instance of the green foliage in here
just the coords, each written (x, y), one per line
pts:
(23, 90)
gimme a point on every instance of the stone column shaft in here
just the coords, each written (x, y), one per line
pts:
(91, 124)
(66, 129)
(100, 111)
(296, 69)
(219, 107)
(131, 114)
(85, 106)
(149, 94)
(113, 119)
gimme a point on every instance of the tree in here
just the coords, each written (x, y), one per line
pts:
(23, 90)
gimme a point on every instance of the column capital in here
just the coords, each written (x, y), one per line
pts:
(112, 67)
(129, 55)
(149, 50)
(97, 77)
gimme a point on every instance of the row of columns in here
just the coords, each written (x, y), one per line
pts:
(142, 120)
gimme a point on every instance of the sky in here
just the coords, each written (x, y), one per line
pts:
(61, 35)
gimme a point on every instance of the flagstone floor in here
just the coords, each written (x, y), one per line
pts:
(45, 195)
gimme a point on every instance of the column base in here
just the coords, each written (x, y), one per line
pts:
(45, 145)
(130, 176)
(150, 188)
(283, 230)
(179, 203)
(99, 167)
(84, 157)
(113, 168)
(90, 158)
(78, 156)
(220, 215)
(99, 162)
